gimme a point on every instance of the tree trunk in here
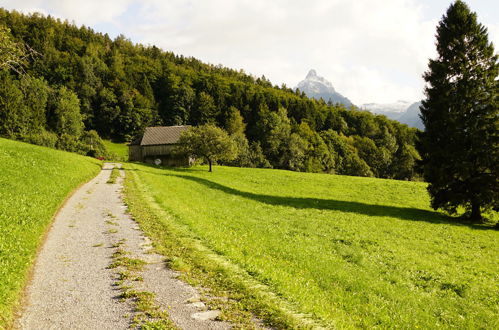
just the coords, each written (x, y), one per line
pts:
(476, 215)
(209, 162)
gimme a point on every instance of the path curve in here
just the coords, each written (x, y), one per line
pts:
(72, 286)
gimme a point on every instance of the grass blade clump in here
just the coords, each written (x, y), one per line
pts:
(115, 173)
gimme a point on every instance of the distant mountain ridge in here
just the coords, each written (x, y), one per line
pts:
(318, 87)
(411, 116)
(402, 111)
(382, 108)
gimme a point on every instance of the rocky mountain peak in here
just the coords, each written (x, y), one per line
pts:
(318, 87)
(311, 74)
(316, 82)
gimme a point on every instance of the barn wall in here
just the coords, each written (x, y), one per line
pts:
(134, 153)
(158, 150)
(168, 160)
(148, 154)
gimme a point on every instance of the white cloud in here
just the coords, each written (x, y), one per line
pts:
(493, 30)
(363, 46)
(88, 12)
(371, 50)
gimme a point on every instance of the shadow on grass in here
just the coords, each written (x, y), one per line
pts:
(404, 213)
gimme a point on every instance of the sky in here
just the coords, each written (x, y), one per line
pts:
(371, 50)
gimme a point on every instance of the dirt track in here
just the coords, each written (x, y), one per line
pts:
(72, 287)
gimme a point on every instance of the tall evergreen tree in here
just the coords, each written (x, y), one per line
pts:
(460, 144)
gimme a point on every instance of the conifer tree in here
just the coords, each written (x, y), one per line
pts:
(460, 144)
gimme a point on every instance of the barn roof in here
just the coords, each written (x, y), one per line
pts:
(162, 135)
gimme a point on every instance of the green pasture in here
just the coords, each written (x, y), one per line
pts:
(116, 151)
(34, 181)
(344, 252)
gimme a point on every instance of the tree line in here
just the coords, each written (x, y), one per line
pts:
(81, 85)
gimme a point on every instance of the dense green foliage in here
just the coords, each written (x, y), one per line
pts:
(12, 55)
(349, 252)
(122, 88)
(33, 184)
(460, 146)
(207, 141)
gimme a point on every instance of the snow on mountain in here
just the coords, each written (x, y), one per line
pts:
(405, 112)
(402, 111)
(318, 87)
(397, 107)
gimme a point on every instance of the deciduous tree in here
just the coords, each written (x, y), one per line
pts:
(209, 142)
(12, 55)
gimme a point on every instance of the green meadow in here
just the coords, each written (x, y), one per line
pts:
(34, 182)
(315, 249)
(116, 151)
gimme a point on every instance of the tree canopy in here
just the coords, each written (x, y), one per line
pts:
(122, 88)
(207, 141)
(12, 55)
(460, 145)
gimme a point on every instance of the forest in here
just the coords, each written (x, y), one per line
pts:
(78, 86)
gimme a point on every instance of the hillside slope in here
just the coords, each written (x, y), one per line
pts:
(34, 182)
(118, 88)
(348, 252)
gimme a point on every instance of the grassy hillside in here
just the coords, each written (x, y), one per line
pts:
(347, 251)
(34, 181)
(117, 151)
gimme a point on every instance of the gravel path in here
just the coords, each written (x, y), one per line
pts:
(74, 288)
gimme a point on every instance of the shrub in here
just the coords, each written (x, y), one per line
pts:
(92, 145)
(43, 138)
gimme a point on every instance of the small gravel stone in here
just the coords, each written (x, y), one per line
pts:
(204, 316)
(199, 305)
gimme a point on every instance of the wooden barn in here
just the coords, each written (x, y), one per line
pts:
(155, 146)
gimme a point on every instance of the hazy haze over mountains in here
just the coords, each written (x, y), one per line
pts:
(411, 116)
(380, 108)
(318, 87)
(402, 111)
